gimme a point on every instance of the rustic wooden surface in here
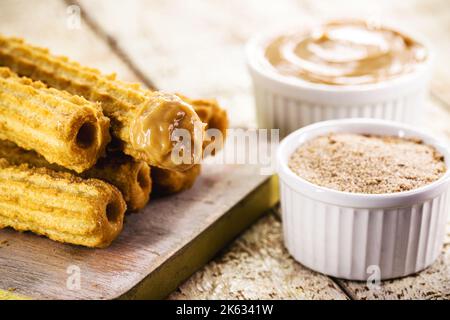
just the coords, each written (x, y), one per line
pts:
(37, 267)
(257, 266)
(197, 47)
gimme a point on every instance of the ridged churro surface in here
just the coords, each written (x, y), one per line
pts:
(143, 121)
(166, 182)
(214, 116)
(59, 205)
(210, 112)
(131, 177)
(65, 129)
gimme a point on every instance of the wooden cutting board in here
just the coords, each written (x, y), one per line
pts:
(159, 248)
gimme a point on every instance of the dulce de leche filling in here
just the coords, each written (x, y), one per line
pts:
(345, 53)
(154, 132)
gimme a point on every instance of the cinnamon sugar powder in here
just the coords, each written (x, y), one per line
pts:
(367, 163)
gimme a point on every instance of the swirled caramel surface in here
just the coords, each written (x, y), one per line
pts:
(345, 53)
(155, 123)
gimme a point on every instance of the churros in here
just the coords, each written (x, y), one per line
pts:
(209, 112)
(56, 178)
(60, 205)
(166, 182)
(65, 129)
(131, 177)
(143, 121)
(215, 117)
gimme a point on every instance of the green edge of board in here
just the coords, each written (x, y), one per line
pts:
(167, 278)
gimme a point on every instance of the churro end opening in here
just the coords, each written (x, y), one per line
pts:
(113, 212)
(86, 135)
(143, 178)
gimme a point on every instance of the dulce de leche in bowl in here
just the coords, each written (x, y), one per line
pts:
(339, 69)
(345, 53)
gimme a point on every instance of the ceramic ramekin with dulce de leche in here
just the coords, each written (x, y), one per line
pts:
(350, 234)
(340, 69)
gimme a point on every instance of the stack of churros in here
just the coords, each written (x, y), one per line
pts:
(79, 149)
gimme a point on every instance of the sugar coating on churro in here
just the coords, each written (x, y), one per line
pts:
(214, 116)
(60, 205)
(131, 177)
(166, 182)
(65, 129)
(139, 118)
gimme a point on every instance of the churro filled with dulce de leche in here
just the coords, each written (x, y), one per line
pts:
(168, 182)
(214, 116)
(142, 121)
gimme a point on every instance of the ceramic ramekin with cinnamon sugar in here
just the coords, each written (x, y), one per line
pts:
(289, 103)
(343, 234)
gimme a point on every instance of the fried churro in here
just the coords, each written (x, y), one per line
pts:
(210, 112)
(214, 116)
(142, 121)
(166, 182)
(59, 205)
(65, 129)
(131, 177)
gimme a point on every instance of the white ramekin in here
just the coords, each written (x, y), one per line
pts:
(288, 103)
(343, 234)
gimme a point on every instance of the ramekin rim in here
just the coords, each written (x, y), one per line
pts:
(284, 171)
